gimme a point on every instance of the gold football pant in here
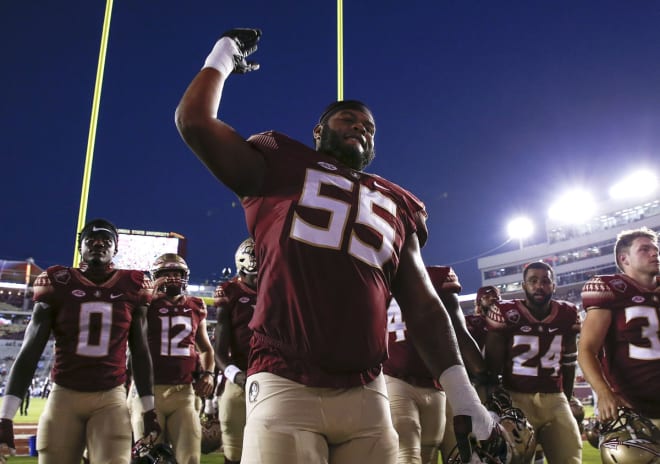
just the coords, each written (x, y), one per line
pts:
(231, 414)
(556, 429)
(72, 420)
(290, 423)
(178, 417)
(419, 419)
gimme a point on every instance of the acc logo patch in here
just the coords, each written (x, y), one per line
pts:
(328, 166)
(638, 299)
(163, 310)
(244, 299)
(513, 316)
(62, 277)
(78, 293)
(525, 328)
(253, 391)
(619, 285)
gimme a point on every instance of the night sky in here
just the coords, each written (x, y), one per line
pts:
(484, 110)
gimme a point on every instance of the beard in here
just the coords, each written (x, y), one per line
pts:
(348, 155)
(538, 303)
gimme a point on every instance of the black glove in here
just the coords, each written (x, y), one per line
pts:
(7, 434)
(246, 39)
(151, 425)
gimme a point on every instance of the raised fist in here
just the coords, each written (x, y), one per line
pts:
(246, 40)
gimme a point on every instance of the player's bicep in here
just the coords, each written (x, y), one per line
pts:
(594, 330)
(202, 340)
(412, 286)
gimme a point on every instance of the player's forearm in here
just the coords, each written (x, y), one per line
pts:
(433, 336)
(568, 380)
(592, 371)
(143, 373)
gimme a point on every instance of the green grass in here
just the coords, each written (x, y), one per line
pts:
(590, 454)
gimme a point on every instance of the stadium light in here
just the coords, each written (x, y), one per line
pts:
(520, 228)
(574, 207)
(637, 184)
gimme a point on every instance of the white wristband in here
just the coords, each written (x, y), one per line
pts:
(148, 403)
(464, 400)
(231, 372)
(221, 57)
(10, 405)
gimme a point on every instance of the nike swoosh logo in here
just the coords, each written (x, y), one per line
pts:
(185, 310)
(114, 297)
(101, 229)
(553, 330)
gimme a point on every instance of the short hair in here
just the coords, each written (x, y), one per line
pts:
(625, 239)
(98, 225)
(487, 290)
(538, 265)
(334, 107)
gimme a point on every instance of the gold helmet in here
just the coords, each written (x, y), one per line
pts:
(630, 438)
(171, 262)
(592, 430)
(514, 442)
(211, 435)
(245, 258)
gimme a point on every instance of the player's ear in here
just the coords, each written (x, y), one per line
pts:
(317, 132)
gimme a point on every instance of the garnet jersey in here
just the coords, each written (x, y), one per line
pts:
(91, 324)
(328, 240)
(632, 344)
(478, 328)
(239, 300)
(172, 331)
(404, 362)
(534, 348)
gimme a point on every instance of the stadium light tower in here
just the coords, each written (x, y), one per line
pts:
(520, 228)
(637, 184)
(573, 207)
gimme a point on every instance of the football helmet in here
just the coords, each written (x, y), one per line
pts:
(514, 441)
(211, 434)
(145, 452)
(578, 412)
(246, 260)
(592, 430)
(630, 438)
(171, 262)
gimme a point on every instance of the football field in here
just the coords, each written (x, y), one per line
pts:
(589, 454)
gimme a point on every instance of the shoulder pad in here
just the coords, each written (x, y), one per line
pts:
(601, 291)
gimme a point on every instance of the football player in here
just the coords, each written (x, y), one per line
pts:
(620, 342)
(417, 401)
(93, 312)
(235, 300)
(334, 244)
(476, 323)
(178, 340)
(532, 343)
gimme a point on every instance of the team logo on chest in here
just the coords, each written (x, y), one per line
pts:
(638, 299)
(244, 299)
(513, 316)
(78, 293)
